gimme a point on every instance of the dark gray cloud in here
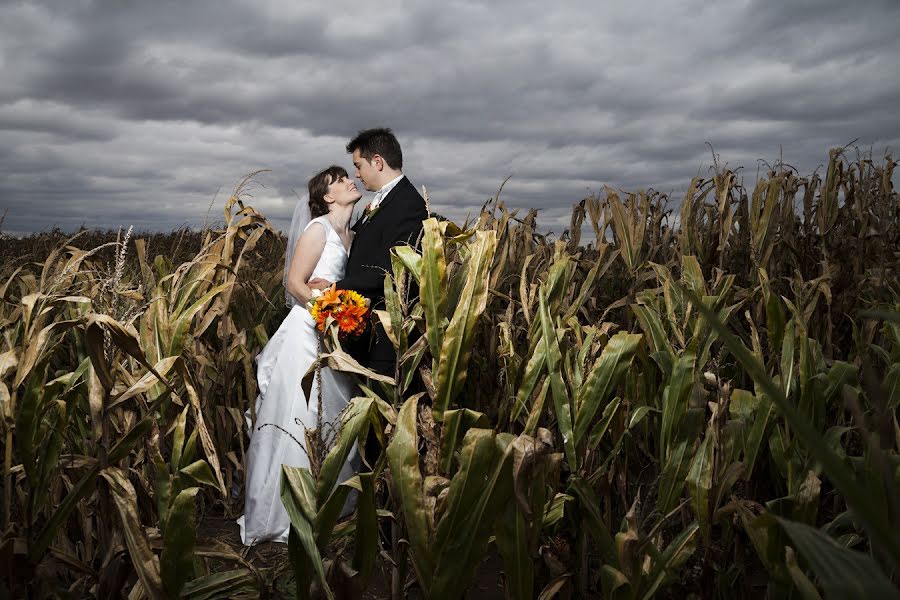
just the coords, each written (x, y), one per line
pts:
(146, 114)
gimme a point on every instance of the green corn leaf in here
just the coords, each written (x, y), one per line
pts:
(28, 423)
(410, 259)
(556, 510)
(603, 379)
(561, 402)
(757, 435)
(366, 540)
(628, 227)
(654, 329)
(711, 336)
(183, 321)
(787, 357)
(674, 473)
(806, 588)
(523, 288)
(48, 458)
(123, 447)
(537, 409)
(403, 458)
(615, 583)
(224, 585)
(354, 423)
(592, 517)
(330, 512)
(587, 286)
(556, 286)
(842, 573)
(724, 482)
(699, 483)
(303, 569)
(581, 357)
(761, 232)
(456, 346)
(162, 482)
(200, 472)
(409, 363)
(178, 439)
(393, 322)
(602, 426)
(176, 562)
(456, 423)
(673, 557)
(478, 491)
(519, 527)
(638, 415)
(297, 493)
(433, 287)
(534, 368)
(676, 395)
(775, 320)
(892, 387)
(692, 275)
(841, 374)
(513, 546)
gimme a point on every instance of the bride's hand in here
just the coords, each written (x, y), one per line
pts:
(318, 284)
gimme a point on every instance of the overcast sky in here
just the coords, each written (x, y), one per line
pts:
(117, 113)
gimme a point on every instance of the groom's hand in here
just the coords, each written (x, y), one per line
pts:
(318, 284)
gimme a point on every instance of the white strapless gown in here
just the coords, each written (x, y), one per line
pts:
(280, 369)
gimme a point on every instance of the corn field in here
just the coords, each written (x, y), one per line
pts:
(700, 402)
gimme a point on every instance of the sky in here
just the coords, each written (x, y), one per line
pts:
(117, 113)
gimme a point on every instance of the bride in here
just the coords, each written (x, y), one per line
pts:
(317, 247)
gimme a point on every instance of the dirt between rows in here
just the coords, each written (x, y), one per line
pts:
(272, 560)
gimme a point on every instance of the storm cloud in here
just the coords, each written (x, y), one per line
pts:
(146, 114)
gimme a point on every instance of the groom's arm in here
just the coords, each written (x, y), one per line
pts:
(368, 280)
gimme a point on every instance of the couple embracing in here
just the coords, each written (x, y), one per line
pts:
(323, 249)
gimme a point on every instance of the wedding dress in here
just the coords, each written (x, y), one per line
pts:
(281, 366)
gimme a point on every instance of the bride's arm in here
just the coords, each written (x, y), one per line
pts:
(307, 253)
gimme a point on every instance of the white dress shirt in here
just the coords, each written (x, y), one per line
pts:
(384, 191)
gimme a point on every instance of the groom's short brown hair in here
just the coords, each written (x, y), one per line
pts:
(380, 141)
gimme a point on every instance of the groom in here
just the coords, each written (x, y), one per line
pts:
(393, 217)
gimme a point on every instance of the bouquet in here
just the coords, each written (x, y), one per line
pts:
(345, 308)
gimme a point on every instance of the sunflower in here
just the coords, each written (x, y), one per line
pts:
(356, 299)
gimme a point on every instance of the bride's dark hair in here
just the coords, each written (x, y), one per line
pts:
(318, 187)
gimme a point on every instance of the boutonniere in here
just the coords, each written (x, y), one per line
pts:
(368, 211)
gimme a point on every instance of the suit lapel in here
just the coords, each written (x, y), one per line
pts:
(361, 224)
(390, 196)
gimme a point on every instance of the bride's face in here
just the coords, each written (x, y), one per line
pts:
(343, 192)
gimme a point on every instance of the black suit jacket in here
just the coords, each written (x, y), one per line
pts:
(398, 220)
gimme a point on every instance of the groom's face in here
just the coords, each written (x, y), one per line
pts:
(367, 172)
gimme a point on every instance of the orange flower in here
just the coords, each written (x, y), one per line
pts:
(330, 296)
(322, 318)
(358, 312)
(346, 321)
